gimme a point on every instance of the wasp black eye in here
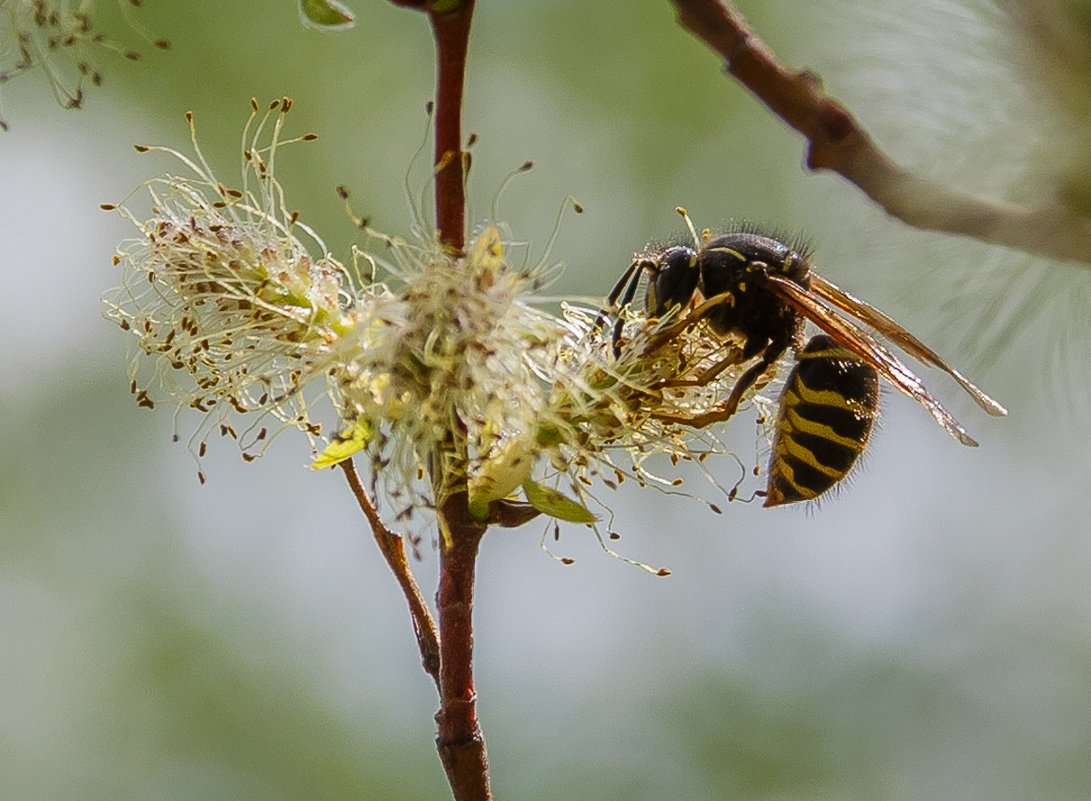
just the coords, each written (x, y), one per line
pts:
(675, 280)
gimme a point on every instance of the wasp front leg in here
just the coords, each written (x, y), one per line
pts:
(725, 411)
(627, 284)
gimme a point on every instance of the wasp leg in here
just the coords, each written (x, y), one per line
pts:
(747, 380)
(727, 411)
(689, 318)
(615, 293)
(703, 380)
(633, 275)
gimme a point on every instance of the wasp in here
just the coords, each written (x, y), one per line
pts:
(761, 293)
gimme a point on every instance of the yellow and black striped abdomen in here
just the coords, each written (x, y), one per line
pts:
(827, 409)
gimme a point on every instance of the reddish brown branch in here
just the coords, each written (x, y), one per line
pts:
(393, 549)
(450, 21)
(452, 32)
(459, 739)
(837, 142)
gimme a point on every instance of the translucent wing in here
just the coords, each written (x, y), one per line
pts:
(899, 336)
(856, 339)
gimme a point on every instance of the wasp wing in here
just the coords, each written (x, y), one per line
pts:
(856, 339)
(903, 339)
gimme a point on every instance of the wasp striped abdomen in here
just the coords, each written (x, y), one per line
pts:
(827, 410)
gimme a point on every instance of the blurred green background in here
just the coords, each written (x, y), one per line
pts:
(926, 635)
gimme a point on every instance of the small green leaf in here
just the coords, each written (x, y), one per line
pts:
(479, 508)
(347, 443)
(551, 502)
(507, 467)
(326, 15)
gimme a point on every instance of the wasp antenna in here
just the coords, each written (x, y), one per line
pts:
(689, 224)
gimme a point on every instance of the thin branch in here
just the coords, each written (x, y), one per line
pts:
(837, 142)
(451, 28)
(393, 549)
(459, 739)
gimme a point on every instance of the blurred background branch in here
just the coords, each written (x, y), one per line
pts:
(838, 142)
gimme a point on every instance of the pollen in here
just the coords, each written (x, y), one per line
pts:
(451, 363)
(236, 305)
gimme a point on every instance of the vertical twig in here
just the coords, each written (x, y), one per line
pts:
(451, 28)
(459, 740)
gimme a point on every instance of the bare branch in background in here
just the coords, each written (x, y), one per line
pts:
(836, 141)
